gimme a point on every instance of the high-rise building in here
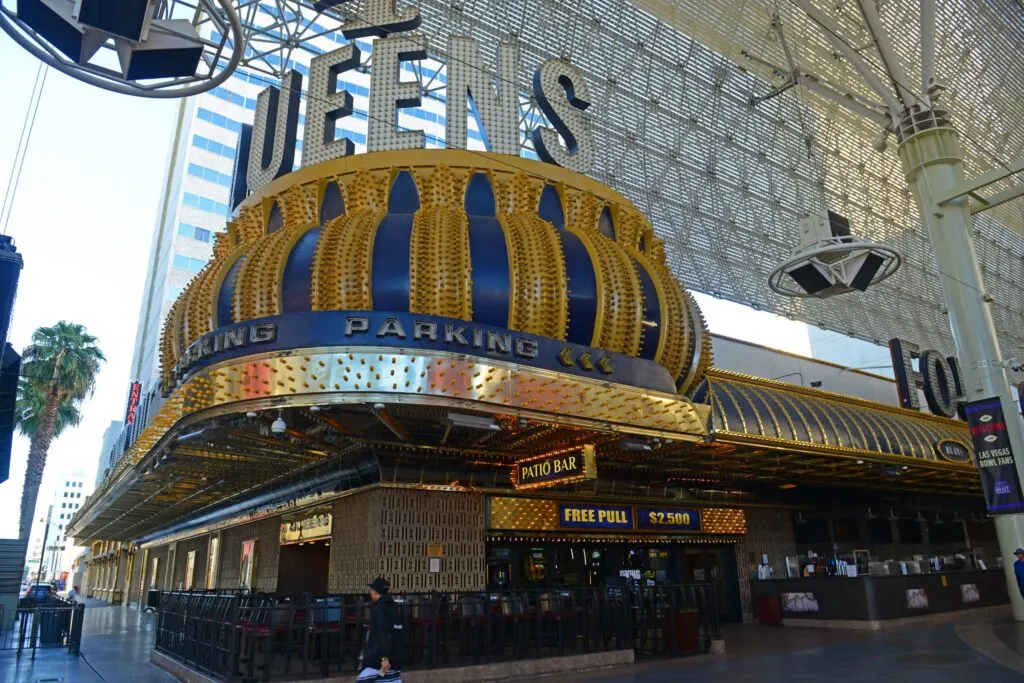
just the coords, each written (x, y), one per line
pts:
(195, 201)
(68, 497)
(108, 456)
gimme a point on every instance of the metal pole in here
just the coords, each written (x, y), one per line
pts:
(42, 555)
(933, 164)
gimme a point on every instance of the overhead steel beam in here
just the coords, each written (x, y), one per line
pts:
(972, 185)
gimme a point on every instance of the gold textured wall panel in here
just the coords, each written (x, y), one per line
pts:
(524, 514)
(355, 542)
(536, 514)
(266, 533)
(411, 520)
(385, 532)
(768, 531)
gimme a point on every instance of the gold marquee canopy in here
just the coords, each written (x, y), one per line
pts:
(428, 318)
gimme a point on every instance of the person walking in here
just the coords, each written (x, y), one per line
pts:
(1018, 570)
(382, 655)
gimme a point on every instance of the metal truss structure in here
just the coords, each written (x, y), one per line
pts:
(697, 122)
(725, 180)
(163, 49)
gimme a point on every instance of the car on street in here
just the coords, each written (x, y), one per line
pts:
(37, 592)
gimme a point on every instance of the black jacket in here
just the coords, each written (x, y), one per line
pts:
(385, 638)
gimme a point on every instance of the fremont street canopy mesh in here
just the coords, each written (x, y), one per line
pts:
(723, 181)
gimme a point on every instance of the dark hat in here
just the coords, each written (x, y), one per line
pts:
(380, 584)
(1019, 551)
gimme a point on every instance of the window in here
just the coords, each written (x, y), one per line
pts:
(192, 265)
(209, 175)
(214, 147)
(219, 120)
(206, 204)
(194, 232)
(63, 505)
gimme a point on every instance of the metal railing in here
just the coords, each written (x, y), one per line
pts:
(257, 637)
(50, 623)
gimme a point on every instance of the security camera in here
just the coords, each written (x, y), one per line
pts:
(279, 426)
(379, 406)
(881, 142)
(252, 415)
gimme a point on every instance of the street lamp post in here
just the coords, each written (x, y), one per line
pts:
(42, 554)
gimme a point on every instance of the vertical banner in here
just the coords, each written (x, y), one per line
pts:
(994, 456)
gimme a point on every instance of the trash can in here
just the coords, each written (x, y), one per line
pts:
(685, 633)
(53, 624)
(768, 610)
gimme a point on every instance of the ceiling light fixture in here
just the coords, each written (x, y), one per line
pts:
(634, 445)
(471, 421)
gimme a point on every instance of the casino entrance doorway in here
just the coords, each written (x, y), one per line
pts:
(552, 564)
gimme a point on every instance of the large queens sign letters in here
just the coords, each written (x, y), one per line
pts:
(267, 149)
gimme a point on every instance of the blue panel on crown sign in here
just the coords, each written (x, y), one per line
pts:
(389, 275)
(582, 289)
(650, 330)
(226, 295)
(702, 393)
(480, 196)
(605, 224)
(296, 287)
(549, 207)
(492, 280)
(333, 203)
(404, 197)
(276, 219)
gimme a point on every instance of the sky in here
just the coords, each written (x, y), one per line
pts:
(83, 220)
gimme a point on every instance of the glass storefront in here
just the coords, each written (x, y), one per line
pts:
(547, 564)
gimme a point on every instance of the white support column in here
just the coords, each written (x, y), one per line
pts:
(933, 164)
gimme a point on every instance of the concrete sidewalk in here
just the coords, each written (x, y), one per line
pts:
(756, 654)
(116, 643)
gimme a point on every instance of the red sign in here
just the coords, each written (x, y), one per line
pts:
(134, 394)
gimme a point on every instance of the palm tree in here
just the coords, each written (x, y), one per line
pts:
(58, 372)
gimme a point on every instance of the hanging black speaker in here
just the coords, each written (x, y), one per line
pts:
(10, 271)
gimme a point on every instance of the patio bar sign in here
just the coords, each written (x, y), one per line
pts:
(552, 470)
(995, 456)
